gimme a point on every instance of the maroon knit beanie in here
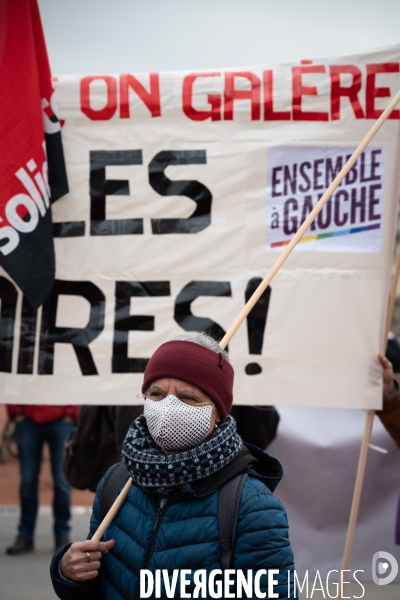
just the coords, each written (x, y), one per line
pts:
(195, 364)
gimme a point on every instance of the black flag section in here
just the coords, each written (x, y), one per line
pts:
(58, 181)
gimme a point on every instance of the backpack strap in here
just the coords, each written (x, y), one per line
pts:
(112, 485)
(229, 496)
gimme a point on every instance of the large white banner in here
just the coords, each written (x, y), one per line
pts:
(184, 188)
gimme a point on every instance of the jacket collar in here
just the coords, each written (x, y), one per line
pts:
(268, 469)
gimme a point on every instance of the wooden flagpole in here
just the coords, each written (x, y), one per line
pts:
(362, 461)
(271, 273)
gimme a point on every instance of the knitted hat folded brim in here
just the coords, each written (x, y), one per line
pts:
(197, 365)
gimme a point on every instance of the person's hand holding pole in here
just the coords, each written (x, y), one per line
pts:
(81, 562)
(388, 380)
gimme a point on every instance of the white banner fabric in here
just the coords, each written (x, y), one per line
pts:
(184, 188)
(319, 451)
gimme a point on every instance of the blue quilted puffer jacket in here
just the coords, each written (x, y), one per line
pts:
(184, 534)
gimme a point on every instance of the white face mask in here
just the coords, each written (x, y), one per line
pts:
(174, 425)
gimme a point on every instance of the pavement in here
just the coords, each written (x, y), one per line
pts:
(27, 577)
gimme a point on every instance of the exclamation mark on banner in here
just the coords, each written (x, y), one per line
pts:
(256, 321)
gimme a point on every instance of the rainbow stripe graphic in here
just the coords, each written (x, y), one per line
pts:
(321, 236)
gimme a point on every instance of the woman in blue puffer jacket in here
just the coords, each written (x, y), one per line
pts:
(178, 454)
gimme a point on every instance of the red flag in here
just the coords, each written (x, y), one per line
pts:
(32, 168)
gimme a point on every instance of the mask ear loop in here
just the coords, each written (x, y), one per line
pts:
(216, 424)
(142, 396)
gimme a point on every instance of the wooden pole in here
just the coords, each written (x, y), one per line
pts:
(362, 461)
(357, 493)
(272, 272)
(113, 511)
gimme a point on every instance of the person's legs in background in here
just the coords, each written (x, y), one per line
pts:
(29, 439)
(56, 434)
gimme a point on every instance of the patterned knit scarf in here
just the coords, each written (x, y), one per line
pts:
(162, 474)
